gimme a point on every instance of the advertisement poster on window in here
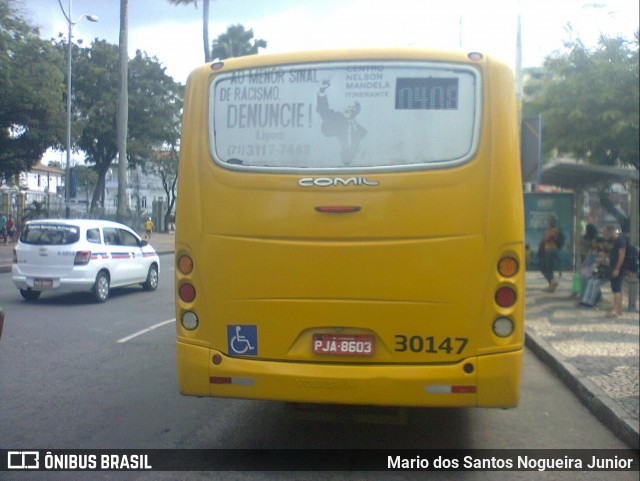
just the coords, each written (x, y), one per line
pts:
(537, 210)
(373, 114)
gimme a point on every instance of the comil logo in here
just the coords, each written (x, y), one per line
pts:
(23, 460)
(334, 181)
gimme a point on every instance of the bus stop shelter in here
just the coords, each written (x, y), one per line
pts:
(579, 178)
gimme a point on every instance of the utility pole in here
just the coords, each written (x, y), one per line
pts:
(67, 175)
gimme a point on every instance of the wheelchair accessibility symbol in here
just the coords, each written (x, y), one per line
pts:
(243, 340)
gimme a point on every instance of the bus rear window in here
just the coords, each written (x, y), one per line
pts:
(336, 116)
(50, 234)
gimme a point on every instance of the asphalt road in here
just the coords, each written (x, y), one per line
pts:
(75, 374)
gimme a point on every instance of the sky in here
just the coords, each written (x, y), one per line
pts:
(173, 33)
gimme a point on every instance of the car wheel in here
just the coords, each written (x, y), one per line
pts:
(30, 295)
(152, 279)
(101, 287)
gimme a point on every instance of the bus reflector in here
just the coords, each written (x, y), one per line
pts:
(503, 327)
(508, 266)
(190, 320)
(337, 209)
(505, 297)
(463, 389)
(242, 381)
(185, 264)
(446, 389)
(187, 292)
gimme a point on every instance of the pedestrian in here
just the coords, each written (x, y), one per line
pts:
(3, 227)
(616, 263)
(587, 242)
(1, 320)
(599, 274)
(528, 254)
(148, 228)
(588, 253)
(10, 227)
(549, 252)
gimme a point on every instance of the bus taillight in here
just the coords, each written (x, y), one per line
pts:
(505, 297)
(185, 264)
(508, 266)
(187, 292)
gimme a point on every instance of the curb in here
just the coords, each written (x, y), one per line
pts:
(593, 397)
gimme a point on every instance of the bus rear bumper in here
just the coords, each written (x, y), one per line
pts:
(493, 382)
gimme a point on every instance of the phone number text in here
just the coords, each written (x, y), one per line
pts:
(268, 150)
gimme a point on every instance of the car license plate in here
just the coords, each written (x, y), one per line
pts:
(344, 345)
(43, 283)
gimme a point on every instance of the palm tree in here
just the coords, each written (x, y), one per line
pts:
(236, 42)
(205, 23)
(123, 112)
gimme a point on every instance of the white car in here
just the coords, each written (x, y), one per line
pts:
(81, 255)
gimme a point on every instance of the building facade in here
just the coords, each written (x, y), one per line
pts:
(43, 188)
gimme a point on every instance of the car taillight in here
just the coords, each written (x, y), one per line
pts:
(82, 258)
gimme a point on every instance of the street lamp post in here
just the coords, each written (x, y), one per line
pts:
(67, 177)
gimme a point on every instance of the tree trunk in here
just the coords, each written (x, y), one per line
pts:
(98, 192)
(205, 31)
(123, 113)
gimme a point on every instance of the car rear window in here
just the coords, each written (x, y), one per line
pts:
(50, 234)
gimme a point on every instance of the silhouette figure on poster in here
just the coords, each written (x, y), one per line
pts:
(341, 125)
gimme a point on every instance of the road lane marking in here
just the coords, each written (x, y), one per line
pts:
(144, 331)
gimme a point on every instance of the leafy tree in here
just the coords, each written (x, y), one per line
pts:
(36, 210)
(155, 105)
(205, 24)
(31, 93)
(154, 108)
(165, 165)
(589, 101)
(87, 177)
(95, 101)
(236, 42)
(153, 142)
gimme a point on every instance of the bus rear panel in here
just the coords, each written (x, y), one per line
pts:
(350, 230)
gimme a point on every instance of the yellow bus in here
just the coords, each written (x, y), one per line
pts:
(350, 230)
